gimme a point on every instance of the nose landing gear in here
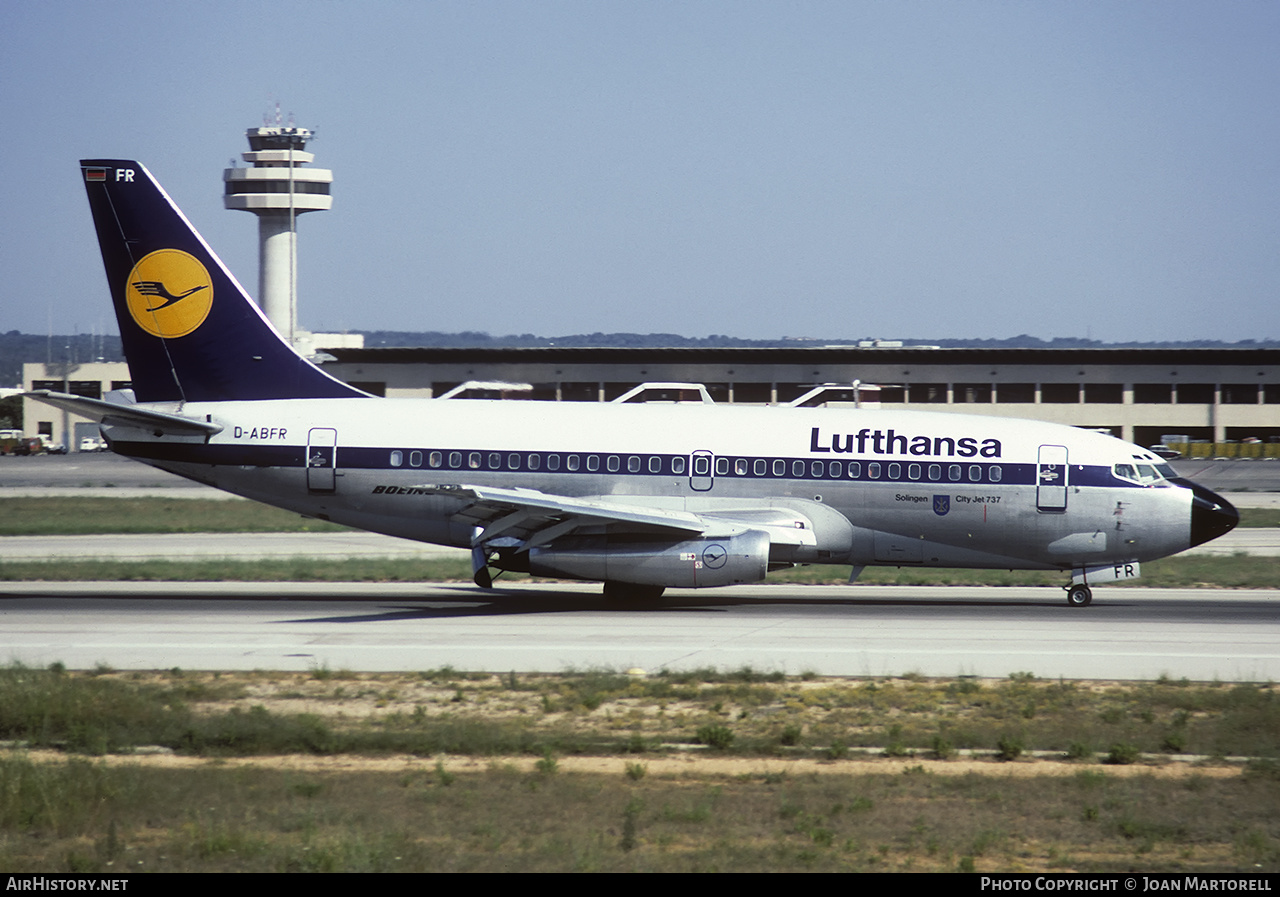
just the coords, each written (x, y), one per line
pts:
(1079, 595)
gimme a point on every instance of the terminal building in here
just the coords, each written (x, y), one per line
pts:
(1147, 396)
(1141, 395)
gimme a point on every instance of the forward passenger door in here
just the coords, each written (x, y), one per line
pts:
(1052, 475)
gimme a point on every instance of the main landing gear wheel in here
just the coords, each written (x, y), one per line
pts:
(1079, 596)
(630, 592)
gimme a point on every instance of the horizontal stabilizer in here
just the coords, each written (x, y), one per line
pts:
(127, 415)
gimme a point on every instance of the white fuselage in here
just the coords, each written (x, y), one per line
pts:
(918, 488)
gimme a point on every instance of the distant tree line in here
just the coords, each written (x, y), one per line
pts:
(17, 349)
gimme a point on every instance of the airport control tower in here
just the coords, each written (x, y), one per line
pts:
(278, 189)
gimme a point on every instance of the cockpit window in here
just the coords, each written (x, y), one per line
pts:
(1166, 471)
(1146, 474)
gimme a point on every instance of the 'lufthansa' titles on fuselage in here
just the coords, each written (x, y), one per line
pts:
(890, 442)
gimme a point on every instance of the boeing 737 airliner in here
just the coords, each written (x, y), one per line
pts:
(639, 497)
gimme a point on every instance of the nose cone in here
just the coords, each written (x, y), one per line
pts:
(1211, 514)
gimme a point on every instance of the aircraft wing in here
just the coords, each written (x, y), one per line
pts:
(535, 518)
(527, 518)
(127, 415)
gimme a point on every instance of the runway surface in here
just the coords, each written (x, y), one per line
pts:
(829, 630)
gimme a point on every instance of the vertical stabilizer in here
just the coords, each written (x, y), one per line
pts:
(190, 332)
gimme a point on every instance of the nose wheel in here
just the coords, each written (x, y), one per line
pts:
(1079, 595)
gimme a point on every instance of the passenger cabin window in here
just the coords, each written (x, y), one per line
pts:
(573, 463)
(553, 462)
(435, 459)
(455, 460)
(534, 462)
(677, 464)
(633, 464)
(397, 458)
(655, 464)
(593, 463)
(855, 469)
(415, 459)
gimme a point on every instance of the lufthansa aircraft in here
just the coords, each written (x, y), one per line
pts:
(639, 497)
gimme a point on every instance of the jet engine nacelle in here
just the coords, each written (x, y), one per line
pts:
(688, 564)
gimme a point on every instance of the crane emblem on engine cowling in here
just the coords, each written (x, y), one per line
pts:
(714, 556)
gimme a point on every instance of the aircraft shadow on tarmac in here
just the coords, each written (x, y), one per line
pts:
(521, 602)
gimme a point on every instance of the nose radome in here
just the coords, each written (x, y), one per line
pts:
(1211, 514)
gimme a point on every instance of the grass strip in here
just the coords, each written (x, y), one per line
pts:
(98, 516)
(1258, 517)
(439, 813)
(743, 713)
(293, 569)
(91, 817)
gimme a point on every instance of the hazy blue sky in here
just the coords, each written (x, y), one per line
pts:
(826, 170)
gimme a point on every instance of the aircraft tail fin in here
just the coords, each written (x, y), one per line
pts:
(189, 330)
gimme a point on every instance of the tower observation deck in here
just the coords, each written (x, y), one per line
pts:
(278, 189)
